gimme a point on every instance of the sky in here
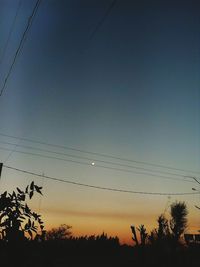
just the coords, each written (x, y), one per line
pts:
(123, 83)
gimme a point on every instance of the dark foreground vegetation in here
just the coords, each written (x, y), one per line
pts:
(24, 242)
(87, 252)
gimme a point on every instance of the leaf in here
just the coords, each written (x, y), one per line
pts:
(37, 188)
(22, 197)
(31, 194)
(32, 186)
(29, 222)
(27, 210)
(20, 191)
(35, 215)
(26, 191)
(4, 194)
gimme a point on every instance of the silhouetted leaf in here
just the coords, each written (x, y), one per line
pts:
(22, 197)
(26, 191)
(20, 191)
(37, 188)
(31, 194)
(4, 194)
(32, 185)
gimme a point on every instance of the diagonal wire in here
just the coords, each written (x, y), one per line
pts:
(98, 26)
(11, 30)
(29, 23)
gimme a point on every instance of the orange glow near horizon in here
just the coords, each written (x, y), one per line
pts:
(92, 212)
(113, 224)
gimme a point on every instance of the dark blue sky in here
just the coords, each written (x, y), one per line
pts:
(131, 90)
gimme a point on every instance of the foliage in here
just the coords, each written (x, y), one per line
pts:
(97, 240)
(178, 222)
(143, 235)
(134, 235)
(60, 233)
(168, 231)
(161, 235)
(16, 218)
(163, 227)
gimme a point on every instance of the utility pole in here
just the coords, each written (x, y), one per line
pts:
(1, 165)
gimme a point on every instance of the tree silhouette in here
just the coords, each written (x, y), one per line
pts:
(134, 235)
(178, 222)
(161, 236)
(163, 227)
(143, 235)
(16, 218)
(60, 233)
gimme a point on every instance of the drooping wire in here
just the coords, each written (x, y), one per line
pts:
(100, 187)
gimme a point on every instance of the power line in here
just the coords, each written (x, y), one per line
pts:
(11, 152)
(195, 179)
(91, 159)
(103, 19)
(98, 154)
(11, 30)
(100, 187)
(29, 23)
(100, 166)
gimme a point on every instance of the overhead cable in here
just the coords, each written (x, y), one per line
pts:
(99, 166)
(11, 30)
(92, 159)
(99, 154)
(103, 19)
(23, 38)
(101, 187)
